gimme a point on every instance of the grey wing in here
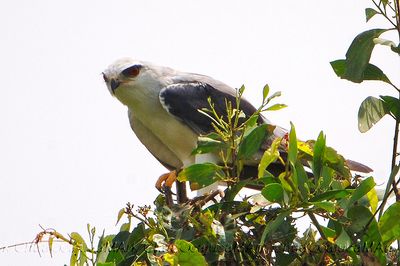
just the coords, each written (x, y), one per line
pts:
(184, 100)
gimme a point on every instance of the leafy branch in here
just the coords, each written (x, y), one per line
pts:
(357, 68)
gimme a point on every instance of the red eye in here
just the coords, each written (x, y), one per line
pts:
(132, 71)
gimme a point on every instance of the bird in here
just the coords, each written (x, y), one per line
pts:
(163, 109)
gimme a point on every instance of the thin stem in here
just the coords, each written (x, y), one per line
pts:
(316, 224)
(383, 13)
(394, 182)
(392, 8)
(394, 157)
(140, 219)
(395, 143)
(379, 209)
(394, 86)
(397, 15)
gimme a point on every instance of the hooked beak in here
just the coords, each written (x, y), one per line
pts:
(114, 84)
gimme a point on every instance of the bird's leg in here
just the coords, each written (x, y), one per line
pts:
(168, 197)
(164, 184)
(181, 195)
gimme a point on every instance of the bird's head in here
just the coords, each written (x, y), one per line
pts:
(133, 81)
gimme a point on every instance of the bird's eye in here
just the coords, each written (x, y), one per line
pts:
(132, 71)
(105, 77)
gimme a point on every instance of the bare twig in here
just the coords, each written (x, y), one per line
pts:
(202, 200)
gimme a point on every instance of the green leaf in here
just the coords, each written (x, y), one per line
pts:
(319, 152)
(273, 192)
(120, 239)
(329, 233)
(232, 191)
(292, 152)
(265, 92)
(369, 13)
(373, 199)
(371, 72)
(336, 162)
(106, 264)
(396, 49)
(207, 145)
(120, 214)
(188, 254)
(365, 186)
(326, 205)
(268, 179)
(79, 240)
(283, 258)
(332, 194)
(343, 241)
(392, 177)
(285, 182)
(327, 177)
(125, 227)
(272, 226)
(339, 67)
(137, 235)
(115, 256)
(276, 94)
(389, 224)
(252, 142)
(103, 247)
(82, 259)
(391, 105)
(370, 112)
(359, 54)
(241, 90)
(359, 217)
(203, 174)
(302, 179)
(74, 256)
(269, 156)
(251, 122)
(276, 107)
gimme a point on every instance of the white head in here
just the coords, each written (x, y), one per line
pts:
(133, 81)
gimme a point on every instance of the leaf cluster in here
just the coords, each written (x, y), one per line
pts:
(224, 227)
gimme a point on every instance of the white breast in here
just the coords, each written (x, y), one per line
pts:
(170, 140)
(164, 136)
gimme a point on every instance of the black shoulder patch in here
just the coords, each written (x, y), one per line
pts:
(183, 100)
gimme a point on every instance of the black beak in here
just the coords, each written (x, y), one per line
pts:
(114, 84)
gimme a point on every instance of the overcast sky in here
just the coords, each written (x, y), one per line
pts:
(67, 154)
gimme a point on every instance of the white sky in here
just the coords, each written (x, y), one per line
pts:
(67, 154)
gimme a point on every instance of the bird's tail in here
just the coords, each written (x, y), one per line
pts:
(358, 167)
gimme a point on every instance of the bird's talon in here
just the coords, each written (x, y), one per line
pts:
(161, 190)
(166, 181)
(171, 178)
(167, 189)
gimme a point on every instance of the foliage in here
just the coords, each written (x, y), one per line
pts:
(314, 185)
(357, 68)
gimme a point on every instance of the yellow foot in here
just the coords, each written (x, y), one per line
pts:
(166, 180)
